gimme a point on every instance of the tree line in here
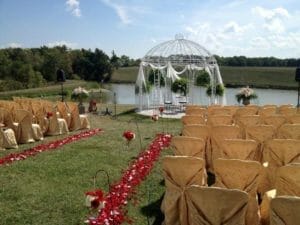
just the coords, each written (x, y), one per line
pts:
(257, 61)
(34, 67)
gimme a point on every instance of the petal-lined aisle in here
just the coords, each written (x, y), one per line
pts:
(46, 147)
(113, 211)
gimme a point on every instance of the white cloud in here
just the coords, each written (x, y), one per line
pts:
(60, 43)
(273, 18)
(73, 7)
(122, 11)
(14, 45)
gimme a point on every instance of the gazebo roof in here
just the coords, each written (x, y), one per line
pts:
(179, 52)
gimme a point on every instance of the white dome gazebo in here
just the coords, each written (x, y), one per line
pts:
(171, 60)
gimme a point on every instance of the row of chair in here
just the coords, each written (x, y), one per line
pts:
(231, 199)
(245, 160)
(29, 120)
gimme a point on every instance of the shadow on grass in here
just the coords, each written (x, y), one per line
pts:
(153, 211)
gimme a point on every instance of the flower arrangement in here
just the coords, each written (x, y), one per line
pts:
(245, 95)
(79, 94)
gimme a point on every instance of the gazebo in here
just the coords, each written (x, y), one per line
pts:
(170, 61)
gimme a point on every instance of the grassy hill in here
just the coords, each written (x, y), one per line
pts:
(261, 77)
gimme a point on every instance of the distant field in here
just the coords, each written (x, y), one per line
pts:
(262, 77)
(50, 92)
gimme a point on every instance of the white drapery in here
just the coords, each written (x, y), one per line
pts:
(169, 75)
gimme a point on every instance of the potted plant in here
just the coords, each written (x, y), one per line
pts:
(79, 94)
(180, 86)
(245, 95)
(219, 92)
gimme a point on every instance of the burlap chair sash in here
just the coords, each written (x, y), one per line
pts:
(267, 111)
(275, 120)
(241, 175)
(249, 120)
(261, 134)
(219, 111)
(218, 135)
(288, 180)
(239, 149)
(180, 172)
(189, 120)
(188, 146)
(289, 131)
(293, 119)
(285, 211)
(219, 120)
(216, 206)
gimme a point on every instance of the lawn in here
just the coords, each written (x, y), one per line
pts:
(261, 77)
(49, 188)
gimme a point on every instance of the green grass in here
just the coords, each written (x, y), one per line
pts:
(49, 188)
(261, 77)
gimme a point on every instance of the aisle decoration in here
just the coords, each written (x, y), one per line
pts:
(129, 136)
(14, 157)
(114, 212)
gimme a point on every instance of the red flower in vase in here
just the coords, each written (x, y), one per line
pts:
(94, 198)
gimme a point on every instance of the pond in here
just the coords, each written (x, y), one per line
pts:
(125, 95)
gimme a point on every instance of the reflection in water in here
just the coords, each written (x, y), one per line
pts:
(125, 95)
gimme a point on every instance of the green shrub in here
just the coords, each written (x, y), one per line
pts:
(202, 79)
(180, 86)
(219, 90)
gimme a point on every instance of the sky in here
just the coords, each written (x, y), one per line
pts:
(253, 28)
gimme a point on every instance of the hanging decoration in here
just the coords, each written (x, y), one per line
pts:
(14, 157)
(114, 212)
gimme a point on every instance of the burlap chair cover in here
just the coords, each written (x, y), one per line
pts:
(188, 146)
(188, 120)
(7, 138)
(199, 131)
(241, 175)
(219, 120)
(261, 134)
(287, 111)
(275, 120)
(289, 131)
(57, 126)
(196, 111)
(232, 109)
(245, 111)
(27, 131)
(267, 111)
(64, 112)
(77, 121)
(249, 120)
(269, 105)
(293, 119)
(239, 149)
(218, 135)
(219, 111)
(210, 108)
(6, 119)
(285, 211)
(277, 153)
(40, 118)
(288, 180)
(216, 206)
(180, 172)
